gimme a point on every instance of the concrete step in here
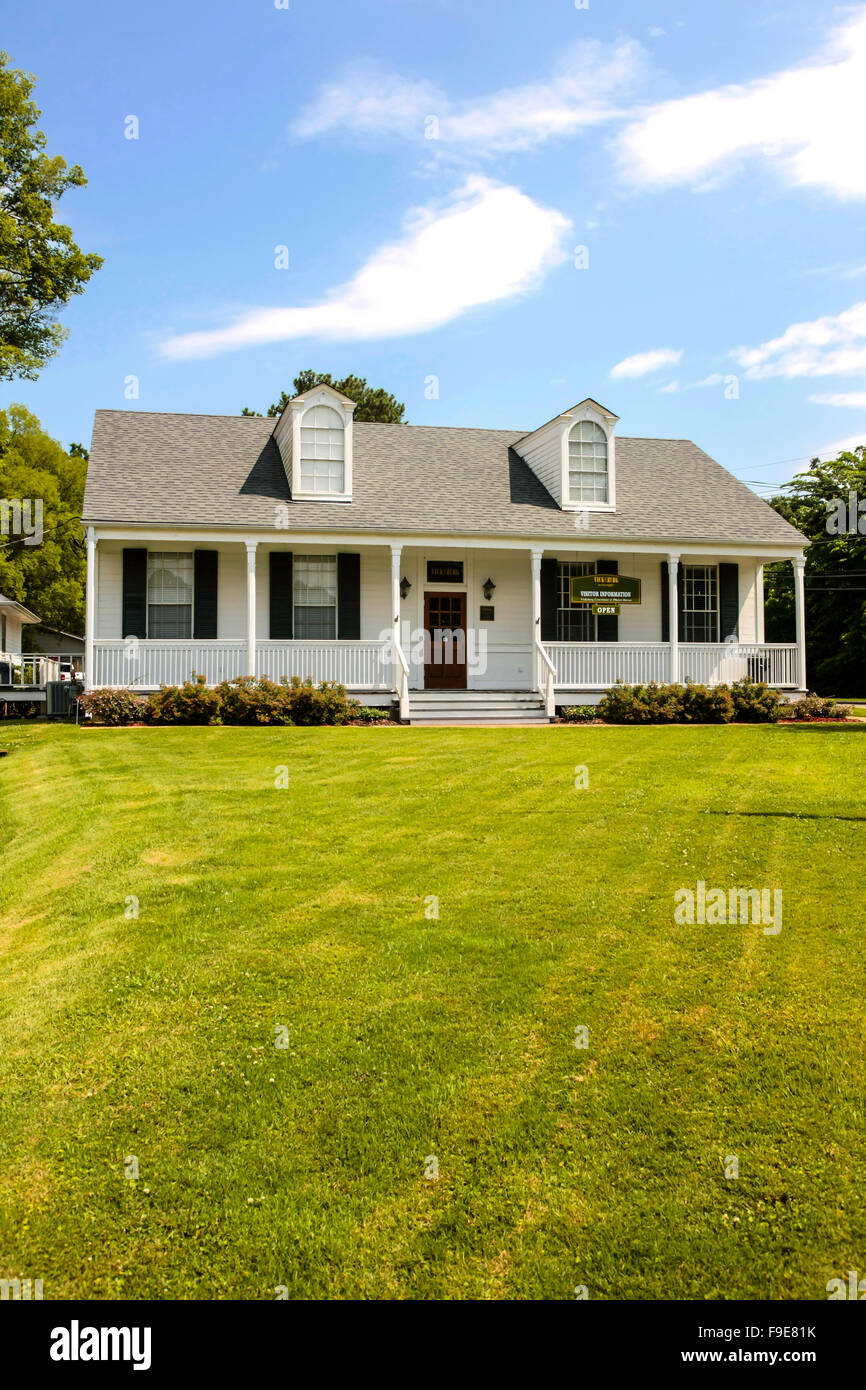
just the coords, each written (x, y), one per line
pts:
(476, 707)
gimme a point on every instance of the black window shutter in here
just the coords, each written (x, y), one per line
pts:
(349, 596)
(134, 607)
(729, 601)
(681, 604)
(204, 611)
(666, 602)
(606, 628)
(281, 596)
(549, 599)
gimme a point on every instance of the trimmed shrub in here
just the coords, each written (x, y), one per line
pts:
(690, 704)
(191, 703)
(642, 704)
(756, 703)
(114, 707)
(813, 706)
(703, 705)
(326, 703)
(579, 714)
(246, 700)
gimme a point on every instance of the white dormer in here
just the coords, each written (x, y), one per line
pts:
(314, 436)
(574, 455)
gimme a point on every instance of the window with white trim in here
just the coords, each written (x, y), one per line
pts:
(700, 613)
(587, 463)
(575, 622)
(323, 467)
(315, 597)
(169, 594)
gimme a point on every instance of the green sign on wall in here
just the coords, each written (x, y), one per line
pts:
(605, 588)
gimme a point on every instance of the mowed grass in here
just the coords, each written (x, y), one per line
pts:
(413, 1039)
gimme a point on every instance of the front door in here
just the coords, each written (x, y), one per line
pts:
(445, 644)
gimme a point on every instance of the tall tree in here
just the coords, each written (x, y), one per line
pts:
(48, 577)
(371, 402)
(824, 503)
(41, 267)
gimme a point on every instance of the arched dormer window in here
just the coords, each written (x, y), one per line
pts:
(587, 463)
(323, 467)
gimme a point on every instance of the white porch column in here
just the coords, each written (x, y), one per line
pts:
(90, 608)
(800, 617)
(251, 606)
(535, 556)
(396, 552)
(674, 617)
(759, 603)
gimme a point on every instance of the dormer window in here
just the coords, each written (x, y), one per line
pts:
(322, 455)
(587, 463)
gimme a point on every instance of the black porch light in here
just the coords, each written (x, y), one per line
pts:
(487, 589)
(405, 586)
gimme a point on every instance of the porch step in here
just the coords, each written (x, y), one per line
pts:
(476, 707)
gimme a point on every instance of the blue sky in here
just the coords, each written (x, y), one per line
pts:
(432, 166)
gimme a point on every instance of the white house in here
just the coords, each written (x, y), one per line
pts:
(474, 572)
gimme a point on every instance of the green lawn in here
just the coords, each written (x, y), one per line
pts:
(412, 1038)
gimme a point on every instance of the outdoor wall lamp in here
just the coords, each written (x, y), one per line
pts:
(487, 589)
(405, 586)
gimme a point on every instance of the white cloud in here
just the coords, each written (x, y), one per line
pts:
(490, 243)
(834, 345)
(806, 121)
(586, 89)
(843, 398)
(642, 363)
(671, 388)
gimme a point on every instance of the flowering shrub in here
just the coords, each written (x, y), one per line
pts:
(113, 707)
(813, 706)
(246, 700)
(191, 703)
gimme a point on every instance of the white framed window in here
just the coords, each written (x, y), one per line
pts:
(314, 578)
(700, 603)
(575, 622)
(587, 463)
(169, 594)
(323, 467)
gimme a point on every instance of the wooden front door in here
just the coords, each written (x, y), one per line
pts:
(445, 642)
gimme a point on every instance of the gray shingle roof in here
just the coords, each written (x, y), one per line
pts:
(226, 471)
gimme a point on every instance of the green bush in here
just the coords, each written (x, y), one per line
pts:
(191, 703)
(579, 714)
(690, 704)
(642, 704)
(246, 700)
(115, 707)
(756, 703)
(370, 714)
(326, 703)
(703, 705)
(813, 706)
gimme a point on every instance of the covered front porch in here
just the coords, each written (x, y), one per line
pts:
(389, 618)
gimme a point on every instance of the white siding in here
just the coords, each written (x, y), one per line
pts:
(109, 590)
(543, 452)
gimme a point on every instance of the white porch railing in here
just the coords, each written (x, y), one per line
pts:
(712, 664)
(33, 670)
(148, 664)
(358, 665)
(595, 666)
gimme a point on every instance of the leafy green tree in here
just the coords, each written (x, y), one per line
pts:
(49, 577)
(372, 402)
(818, 503)
(41, 267)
